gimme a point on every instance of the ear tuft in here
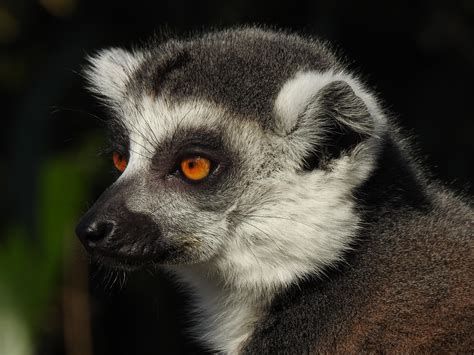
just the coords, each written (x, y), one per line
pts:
(109, 71)
(324, 116)
(344, 121)
(338, 102)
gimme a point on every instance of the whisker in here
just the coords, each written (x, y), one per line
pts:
(283, 218)
(154, 138)
(178, 125)
(57, 109)
(141, 134)
(263, 232)
(141, 145)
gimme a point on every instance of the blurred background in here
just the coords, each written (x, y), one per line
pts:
(419, 55)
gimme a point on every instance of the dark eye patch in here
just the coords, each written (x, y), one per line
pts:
(186, 143)
(117, 137)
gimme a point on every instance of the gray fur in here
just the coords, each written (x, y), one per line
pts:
(316, 230)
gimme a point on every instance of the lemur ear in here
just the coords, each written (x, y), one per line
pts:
(109, 71)
(323, 116)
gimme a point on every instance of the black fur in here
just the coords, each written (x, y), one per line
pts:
(134, 238)
(337, 107)
(406, 286)
(242, 70)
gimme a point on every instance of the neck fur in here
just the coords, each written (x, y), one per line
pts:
(225, 314)
(306, 231)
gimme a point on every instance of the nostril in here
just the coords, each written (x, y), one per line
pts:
(91, 234)
(98, 231)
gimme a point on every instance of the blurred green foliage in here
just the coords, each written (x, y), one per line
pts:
(30, 267)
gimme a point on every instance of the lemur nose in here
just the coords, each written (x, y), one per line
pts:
(92, 233)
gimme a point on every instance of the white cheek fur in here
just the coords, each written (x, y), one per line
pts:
(287, 227)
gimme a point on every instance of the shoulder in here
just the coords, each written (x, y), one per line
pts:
(406, 286)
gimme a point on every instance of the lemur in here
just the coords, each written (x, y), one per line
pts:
(266, 176)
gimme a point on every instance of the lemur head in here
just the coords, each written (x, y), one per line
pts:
(238, 149)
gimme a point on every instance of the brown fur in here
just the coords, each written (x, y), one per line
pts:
(422, 301)
(407, 287)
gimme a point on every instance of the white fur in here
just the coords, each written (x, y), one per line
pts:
(281, 242)
(295, 96)
(286, 227)
(109, 72)
(302, 231)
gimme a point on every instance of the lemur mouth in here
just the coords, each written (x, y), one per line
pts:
(124, 263)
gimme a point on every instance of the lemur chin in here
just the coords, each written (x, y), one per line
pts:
(265, 175)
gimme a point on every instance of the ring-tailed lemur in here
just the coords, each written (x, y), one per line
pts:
(268, 178)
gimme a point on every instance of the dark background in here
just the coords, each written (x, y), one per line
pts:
(418, 55)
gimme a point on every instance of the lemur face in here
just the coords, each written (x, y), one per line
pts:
(184, 170)
(239, 148)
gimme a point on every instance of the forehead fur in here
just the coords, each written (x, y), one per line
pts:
(241, 69)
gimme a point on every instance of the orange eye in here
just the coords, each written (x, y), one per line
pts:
(120, 161)
(195, 168)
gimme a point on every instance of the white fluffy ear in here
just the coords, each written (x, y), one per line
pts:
(299, 93)
(109, 71)
(324, 115)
